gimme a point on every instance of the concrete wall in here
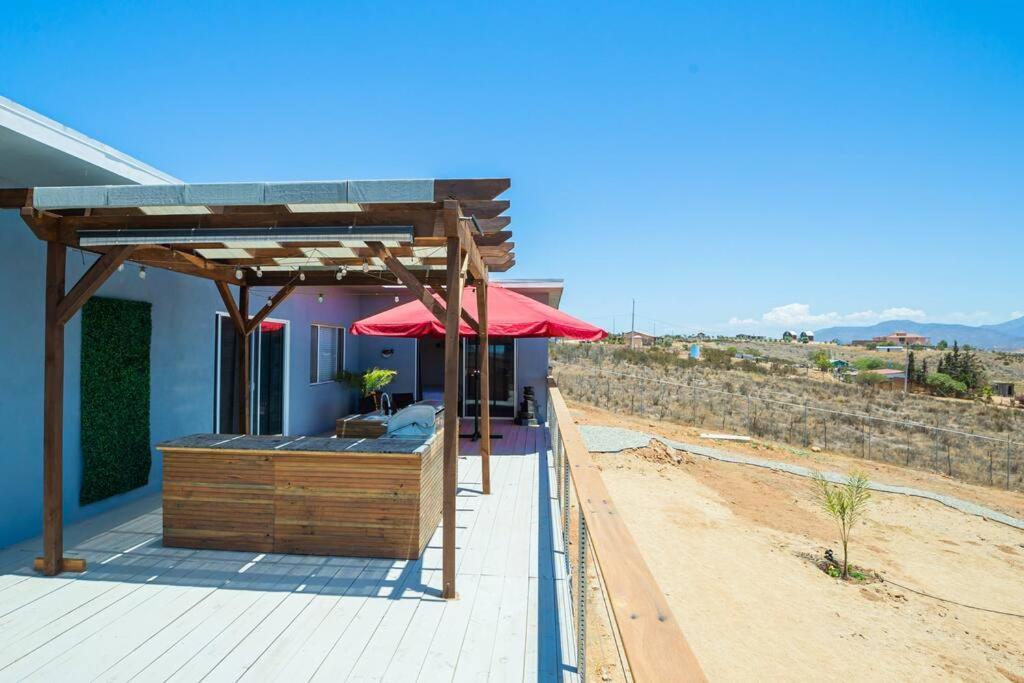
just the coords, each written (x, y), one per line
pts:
(182, 364)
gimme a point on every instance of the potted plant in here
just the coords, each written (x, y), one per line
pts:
(370, 382)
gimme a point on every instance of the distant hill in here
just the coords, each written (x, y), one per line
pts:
(1008, 336)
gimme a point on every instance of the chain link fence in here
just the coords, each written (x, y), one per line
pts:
(974, 458)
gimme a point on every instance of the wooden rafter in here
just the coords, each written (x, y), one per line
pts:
(232, 308)
(274, 302)
(409, 280)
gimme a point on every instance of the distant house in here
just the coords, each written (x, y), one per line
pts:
(789, 336)
(806, 336)
(1005, 389)
(900, 338)
(635, 340)
(888, 348)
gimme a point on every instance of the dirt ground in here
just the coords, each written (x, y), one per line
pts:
(729, 545)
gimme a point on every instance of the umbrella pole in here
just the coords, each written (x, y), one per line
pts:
(476, 435)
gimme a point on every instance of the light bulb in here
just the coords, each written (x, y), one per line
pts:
(302, 276)
(269, 301)
(396, 298)
(142, 272)
(320, 298)
(366, 267)
(259, 271)
(238, 274)
(340, 274)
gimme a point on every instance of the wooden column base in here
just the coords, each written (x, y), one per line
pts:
(67, 564)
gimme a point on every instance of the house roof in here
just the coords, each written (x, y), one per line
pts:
(36, 150)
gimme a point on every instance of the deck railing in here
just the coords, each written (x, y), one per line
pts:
(653, 642)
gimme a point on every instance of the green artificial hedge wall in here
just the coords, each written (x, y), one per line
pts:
(115, 397)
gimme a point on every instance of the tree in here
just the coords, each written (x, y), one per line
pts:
(845, 503)
(821, 360)
(942, 345)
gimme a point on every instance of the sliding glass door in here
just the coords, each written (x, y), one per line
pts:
(502, 359)
(268, 374)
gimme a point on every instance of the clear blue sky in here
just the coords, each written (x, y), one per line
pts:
(797, 165)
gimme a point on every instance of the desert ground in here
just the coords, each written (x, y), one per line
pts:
(733, 546)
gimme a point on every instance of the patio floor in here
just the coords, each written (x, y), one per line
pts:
(153, 613)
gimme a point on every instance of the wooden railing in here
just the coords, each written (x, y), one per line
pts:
(654, 644)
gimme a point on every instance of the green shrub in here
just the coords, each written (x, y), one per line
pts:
(943, 385)
(870, 379)
(868, 363)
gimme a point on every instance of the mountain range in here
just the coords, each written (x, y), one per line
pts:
(1008, 336)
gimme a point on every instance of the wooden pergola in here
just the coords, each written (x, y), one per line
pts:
(428, 235)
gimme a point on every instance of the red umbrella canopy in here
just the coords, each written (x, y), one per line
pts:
(509, 314)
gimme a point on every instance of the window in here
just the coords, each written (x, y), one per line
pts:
(326, 353)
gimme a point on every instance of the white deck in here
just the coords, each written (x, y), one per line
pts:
(153, 613)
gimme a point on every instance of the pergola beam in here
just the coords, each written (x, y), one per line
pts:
(93, 278)
(409, 280)
(232, 307)
(274, 302)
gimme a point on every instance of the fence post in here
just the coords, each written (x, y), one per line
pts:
(807, 433)
(1007, 462)
(907, 443)
(949, 463)
(990, 480)
(826, 434)
(581, 600)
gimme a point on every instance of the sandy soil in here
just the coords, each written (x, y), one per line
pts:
(729, 545)
(1010, 502)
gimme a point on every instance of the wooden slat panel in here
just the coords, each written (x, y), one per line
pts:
(218, 501)
(350, 504)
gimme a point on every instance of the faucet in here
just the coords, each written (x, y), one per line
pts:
(385, 397)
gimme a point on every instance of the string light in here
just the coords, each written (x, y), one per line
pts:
(396, 298)
(238, 274)
(269, 301)
(259, 271)
(320, 298)
(341, 272)
(302, 276)
(366, 266)
(142, 272)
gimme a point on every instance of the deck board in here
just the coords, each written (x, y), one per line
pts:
(147, 612)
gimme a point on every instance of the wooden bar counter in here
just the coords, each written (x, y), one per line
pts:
(305, 495)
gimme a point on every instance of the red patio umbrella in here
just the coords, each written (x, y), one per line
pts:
(509, 314)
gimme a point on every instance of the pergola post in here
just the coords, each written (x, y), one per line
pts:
(53, 413)
(60, 307)
(244, 412)
(451, 401)
(484, 399)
